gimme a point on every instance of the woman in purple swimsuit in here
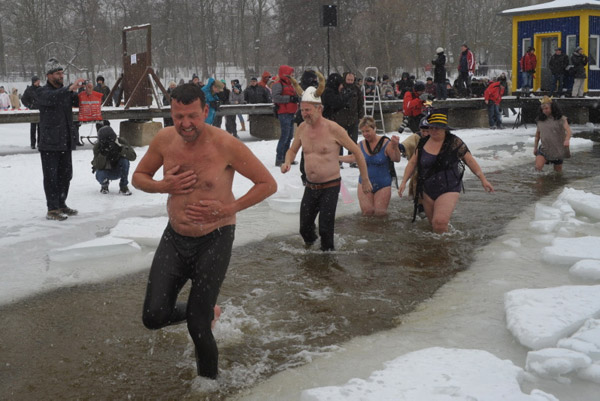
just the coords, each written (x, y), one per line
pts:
(379, 151)
(440, 160)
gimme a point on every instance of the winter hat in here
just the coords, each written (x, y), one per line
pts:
(438, 119)
(578, 48)
(99, 78)
(195, 76)
(419, 86)
(218, 84)
(52, 66)
(253, 79)
(106, 133)
(439, 50)
(546, 100)
(34, 79)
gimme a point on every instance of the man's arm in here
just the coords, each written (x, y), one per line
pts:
(247, 164)
(171, 183)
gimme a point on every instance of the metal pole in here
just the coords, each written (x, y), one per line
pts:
(328, 50)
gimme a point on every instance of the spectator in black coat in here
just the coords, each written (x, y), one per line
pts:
(105, 90)
(102, 88)
(439, 74)
(579, 61)
(168, 121)
(57, 139)
(223, 99)
(29, 99)
(558, 65)
(405, 84)
(255, 93)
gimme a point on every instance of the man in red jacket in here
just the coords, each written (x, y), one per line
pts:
(493, 97)
(466, 69)
(528, 64)
(286, 100)
(413, 106)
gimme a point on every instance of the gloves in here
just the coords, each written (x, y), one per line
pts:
(294, 99)
(215, 104)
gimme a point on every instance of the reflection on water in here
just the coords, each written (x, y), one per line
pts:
(283, 304)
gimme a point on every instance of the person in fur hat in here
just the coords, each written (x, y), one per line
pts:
(57, 139)
(320, 140)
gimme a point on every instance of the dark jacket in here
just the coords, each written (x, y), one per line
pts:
(558, 63)
(308, 78)
(257, 94)
(105, 90)
(579, 62)
(332, 99)
(29, 98)
(405, 84)
(224, 96)
(101, 160)
(56, 119)
(439, 69)
(350, 115)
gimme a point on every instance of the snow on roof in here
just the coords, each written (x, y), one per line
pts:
(556, 5)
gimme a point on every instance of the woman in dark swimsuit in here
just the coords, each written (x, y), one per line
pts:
(378, 151)
(440, 160)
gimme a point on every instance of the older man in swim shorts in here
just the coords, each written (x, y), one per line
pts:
(321, 140)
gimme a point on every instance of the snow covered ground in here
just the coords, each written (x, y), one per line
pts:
(519, 324)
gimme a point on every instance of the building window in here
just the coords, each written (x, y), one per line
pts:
(571, 44)
(526, 45)
(593, 52)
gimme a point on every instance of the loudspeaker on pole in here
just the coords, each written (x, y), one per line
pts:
(329, 15)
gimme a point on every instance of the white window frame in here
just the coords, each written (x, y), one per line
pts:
(567, 48)
(596, 52)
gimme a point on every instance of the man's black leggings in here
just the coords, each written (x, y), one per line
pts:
(204, 260)
(324, 203)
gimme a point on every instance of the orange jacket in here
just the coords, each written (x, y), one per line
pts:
(89, 106)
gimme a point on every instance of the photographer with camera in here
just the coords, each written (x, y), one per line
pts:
(111, 160)
(211, 90)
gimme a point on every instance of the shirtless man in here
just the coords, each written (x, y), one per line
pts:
(199, 162)
(321, 140)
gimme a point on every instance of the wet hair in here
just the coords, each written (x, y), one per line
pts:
(188, 94)
(368, 122)
(556, 112)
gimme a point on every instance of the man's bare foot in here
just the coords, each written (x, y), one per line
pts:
(217, 315)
